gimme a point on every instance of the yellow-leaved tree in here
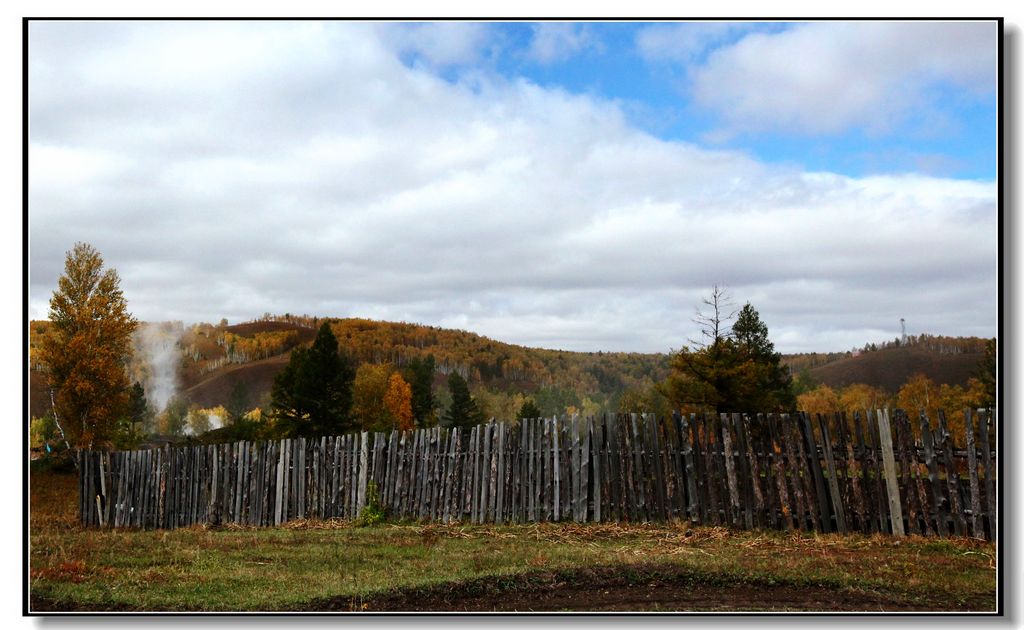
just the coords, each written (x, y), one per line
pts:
(822, 399)
(368, 391)
(88, 350)
(398, 402)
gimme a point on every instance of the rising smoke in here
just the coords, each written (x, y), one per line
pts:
(157, 346)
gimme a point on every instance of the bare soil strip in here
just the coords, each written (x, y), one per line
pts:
(652, 587)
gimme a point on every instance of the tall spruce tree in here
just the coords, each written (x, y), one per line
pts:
(463, 411)
(766, 384)
(736, 370)
(420, 373)
(312, 396)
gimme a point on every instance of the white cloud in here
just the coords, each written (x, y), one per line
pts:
(439, 43)
(554, 42)
(684, 42)
(329, 178)
(827, 77)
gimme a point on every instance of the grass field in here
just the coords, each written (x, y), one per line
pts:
(339, 566)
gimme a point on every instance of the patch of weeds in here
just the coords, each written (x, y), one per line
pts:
(373, 512)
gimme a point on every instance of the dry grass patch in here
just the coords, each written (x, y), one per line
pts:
(246, 568)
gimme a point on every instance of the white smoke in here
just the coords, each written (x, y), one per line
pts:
(158, 344)
(216, 422)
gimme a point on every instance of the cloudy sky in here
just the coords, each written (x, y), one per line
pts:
(569, 185)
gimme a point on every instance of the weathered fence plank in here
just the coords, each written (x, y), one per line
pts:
(986, 457)
(889, 464)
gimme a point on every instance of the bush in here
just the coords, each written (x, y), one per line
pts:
(373, 512)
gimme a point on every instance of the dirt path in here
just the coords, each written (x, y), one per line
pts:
(632, 588)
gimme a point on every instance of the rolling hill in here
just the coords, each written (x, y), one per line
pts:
(209, 360)
(891, 367)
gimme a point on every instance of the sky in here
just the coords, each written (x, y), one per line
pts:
(564, 185)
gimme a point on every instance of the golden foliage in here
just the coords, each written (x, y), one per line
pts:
(88, 349)
(823, 400)
(398, 402)
(368, 391)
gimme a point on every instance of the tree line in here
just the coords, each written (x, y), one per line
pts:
(328, 389)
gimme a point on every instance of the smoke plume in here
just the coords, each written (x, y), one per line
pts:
(158, 345)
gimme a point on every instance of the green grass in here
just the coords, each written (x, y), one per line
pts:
(279, 569)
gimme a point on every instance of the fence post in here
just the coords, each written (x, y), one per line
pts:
(889, 465)
(364, 456)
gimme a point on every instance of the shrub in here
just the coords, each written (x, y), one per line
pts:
(373, 512)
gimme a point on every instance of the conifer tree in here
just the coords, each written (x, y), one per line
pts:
(463, 411)
(736, 370)
(312, 396)
(529, 410)
(421, 379)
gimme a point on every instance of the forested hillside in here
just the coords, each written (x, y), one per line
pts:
(211, 359)
(205, 362)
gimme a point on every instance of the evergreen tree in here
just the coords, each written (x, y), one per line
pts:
(736, 370)
(529, 410)
(312, 396)
(138, 408)
(420, 374)
(768, 385)
(463, 411)
(238, 402)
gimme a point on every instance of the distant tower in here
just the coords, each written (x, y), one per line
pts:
(903, 332)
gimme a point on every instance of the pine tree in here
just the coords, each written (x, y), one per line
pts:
(421, 378)
(735, 370)
(463, 411)
(312, 396)
(767, 385)
(529, 410)
(88, 350)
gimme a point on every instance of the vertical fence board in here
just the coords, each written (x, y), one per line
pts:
(986, 458)
(889, 465)
(952, 478)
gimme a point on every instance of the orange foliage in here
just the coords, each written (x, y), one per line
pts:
(823, 400)
(398, 402)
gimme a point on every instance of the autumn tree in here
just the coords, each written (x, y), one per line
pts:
(312, 395)
(649, 399)
(368, 391)
(88, 350)
(174, 418)
(197, 421)
(398, 402)
(463, 411)
(917, 394)
(862, 398)
(822, 399)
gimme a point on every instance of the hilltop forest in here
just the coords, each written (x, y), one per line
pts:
(202, 370)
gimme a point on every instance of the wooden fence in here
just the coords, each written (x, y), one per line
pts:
(869, 473)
